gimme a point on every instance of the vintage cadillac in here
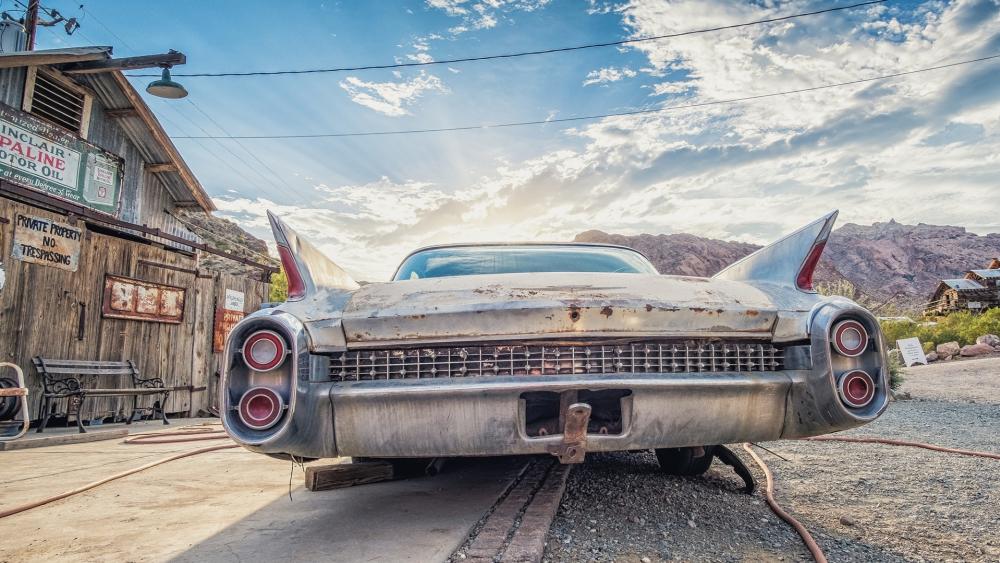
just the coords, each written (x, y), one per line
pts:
(497, 349)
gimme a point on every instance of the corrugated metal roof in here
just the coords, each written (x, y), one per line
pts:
(962, 284)
(142, 128)
(987, 274)
(54, 56)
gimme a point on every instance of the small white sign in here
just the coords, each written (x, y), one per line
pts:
(234, 300)
(912, 351)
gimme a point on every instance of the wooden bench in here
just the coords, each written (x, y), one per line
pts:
(65, 379)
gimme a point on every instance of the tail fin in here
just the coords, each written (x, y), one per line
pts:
(788, 261)
(308, 269)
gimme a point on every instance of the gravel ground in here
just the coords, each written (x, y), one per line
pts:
(861, 502)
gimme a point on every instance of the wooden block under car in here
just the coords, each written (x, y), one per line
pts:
(326, 477)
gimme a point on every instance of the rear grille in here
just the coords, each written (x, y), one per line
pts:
(518, 359)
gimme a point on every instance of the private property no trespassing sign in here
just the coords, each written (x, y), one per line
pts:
(47, 242)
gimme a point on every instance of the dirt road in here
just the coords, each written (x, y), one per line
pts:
(862, 502)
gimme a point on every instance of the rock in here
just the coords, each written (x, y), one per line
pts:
(948, 349)
(646, 560)
(932, 357)
(692, 524)
(989, 339)
(847, 520)
(976, 350)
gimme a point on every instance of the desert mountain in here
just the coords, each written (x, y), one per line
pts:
(884, 263)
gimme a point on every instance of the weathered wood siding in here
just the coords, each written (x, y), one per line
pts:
(41, 309)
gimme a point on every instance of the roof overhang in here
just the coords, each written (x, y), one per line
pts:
(94, 68)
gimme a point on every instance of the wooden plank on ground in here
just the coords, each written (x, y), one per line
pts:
(33, 440)
(326, 477)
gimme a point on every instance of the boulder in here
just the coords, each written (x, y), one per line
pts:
(976, 349)
(989, 340)
(931, 356)
(948, 349)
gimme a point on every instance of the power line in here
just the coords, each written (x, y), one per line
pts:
(597, 116)
(241, 145)
(106, 28)
(523, 53)
(225, 148)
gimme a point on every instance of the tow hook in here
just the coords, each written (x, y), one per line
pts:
(573, 448)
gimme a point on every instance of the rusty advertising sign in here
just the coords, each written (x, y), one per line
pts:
(47, 242)
(39, 155)
(225, 320)
(127, 298)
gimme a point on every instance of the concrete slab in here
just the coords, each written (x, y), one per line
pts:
(231, 505)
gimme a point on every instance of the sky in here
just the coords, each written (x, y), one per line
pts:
(919, 148)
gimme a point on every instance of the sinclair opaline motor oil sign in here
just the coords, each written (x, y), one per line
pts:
(38, 155)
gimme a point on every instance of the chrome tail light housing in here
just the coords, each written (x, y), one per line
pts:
(260, 408)
(849, 338)
(856, 388)
(264, 350)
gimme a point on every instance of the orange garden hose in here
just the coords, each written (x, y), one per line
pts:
(807, 538)
(145, 438)
(887, 441)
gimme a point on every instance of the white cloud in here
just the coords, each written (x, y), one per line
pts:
(919, 148)
(391, 98)
(482, 14)
(608, 74)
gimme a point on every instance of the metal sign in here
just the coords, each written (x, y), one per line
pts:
(234, 300)
(912, 351)
(47, 242)
(47, 158)
(225, 320)
(127, 298)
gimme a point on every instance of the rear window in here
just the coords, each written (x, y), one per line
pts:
(478, 260)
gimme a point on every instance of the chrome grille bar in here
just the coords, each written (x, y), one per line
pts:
(531, 359)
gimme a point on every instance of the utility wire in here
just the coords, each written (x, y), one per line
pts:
(597, 116)
(241, 145)
(106, 28)
(523, 53)
(225, 147)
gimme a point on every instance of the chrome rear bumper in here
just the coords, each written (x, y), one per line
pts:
(474, 418)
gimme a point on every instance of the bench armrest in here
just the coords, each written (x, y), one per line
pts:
(61, 385)
(150, 383)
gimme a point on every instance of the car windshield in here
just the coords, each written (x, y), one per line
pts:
(477, 260)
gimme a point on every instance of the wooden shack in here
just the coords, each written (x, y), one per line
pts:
(95, 263)
(960, 295)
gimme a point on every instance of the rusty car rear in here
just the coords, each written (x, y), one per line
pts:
(506, 362)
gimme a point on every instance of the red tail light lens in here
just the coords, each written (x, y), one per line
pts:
(264, 350)
(849, 338)
(856, 388)
(296, 287)
(260, 408)
(804, 280)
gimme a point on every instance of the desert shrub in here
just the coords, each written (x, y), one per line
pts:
(962, 327)
(279, 287)
(895, 372)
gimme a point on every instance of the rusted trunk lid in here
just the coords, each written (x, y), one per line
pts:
(559, 306)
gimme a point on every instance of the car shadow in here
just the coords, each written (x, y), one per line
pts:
(422, 518)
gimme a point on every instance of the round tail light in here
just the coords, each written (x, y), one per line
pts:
(850, 338)
(264, 350)
(856, 388)
(260, 408)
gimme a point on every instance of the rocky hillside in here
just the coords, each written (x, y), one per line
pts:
(228, 236)
(884, 263)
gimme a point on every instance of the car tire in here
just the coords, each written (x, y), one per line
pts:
(682, 461)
